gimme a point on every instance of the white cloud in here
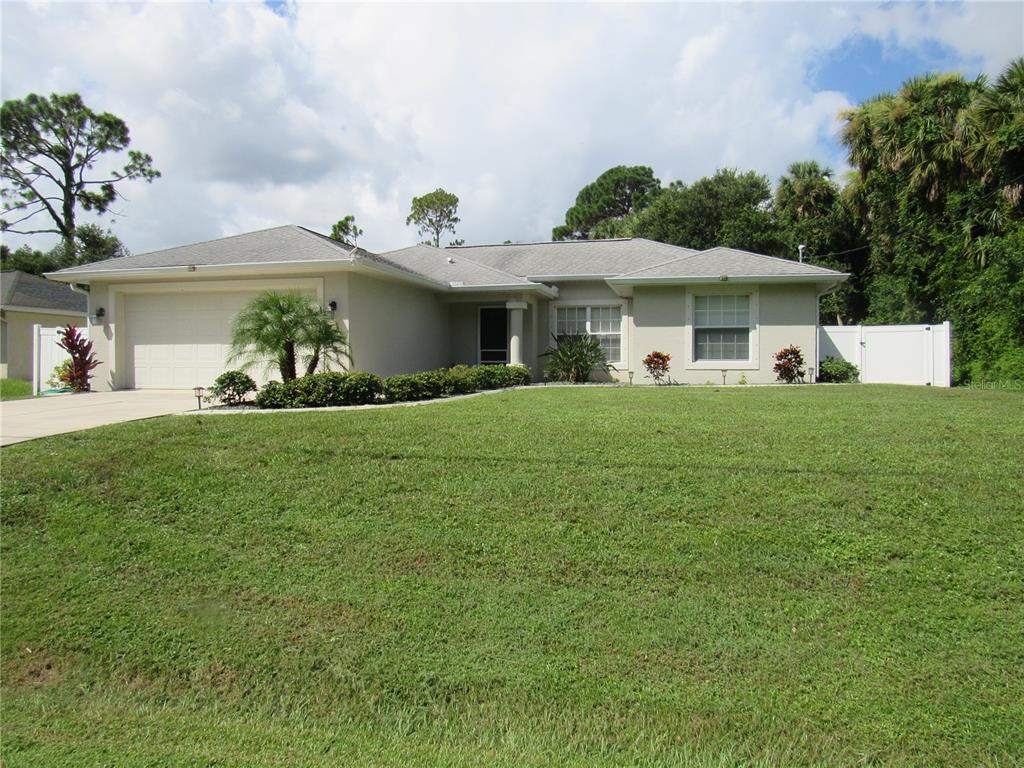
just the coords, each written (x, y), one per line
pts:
(258, 119)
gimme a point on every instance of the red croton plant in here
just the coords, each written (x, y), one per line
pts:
(83, 361)
(656, 364)
(789, 365)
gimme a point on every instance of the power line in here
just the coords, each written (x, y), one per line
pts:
(840, 253)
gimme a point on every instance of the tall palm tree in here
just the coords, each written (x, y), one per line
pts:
(806, 190)
(992, 131)
(276, 327)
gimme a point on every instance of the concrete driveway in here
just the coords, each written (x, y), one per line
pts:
(53, 415)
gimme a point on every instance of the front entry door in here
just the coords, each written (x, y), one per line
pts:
(493, 335)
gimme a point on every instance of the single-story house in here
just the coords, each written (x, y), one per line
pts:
(163, 319)
(29, 300)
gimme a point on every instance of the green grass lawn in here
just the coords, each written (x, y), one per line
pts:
(678, 576)
(15, 389)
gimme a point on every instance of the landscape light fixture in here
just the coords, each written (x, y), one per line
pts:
(199, 395)
(723, 375)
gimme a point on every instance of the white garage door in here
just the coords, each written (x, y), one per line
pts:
(180, 340)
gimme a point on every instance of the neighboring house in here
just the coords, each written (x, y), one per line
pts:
(30, 300)
(166, 315)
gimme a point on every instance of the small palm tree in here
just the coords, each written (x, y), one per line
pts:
(276, 327)
(327, 343)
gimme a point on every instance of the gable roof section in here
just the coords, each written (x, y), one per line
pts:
(526, 266)
(278, 245)
(573, 258)
(21, 289)
(727, 262)
(452, 269)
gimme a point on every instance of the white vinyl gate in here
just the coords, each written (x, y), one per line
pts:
(47, 354)
(892, 354)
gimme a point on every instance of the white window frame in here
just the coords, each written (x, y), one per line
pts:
(751, 363)
(623, 322)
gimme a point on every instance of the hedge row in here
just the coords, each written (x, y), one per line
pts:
(321, 390)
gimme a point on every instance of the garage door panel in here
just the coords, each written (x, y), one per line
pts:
(182, 340)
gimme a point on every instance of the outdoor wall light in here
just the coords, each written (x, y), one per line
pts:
(333, 306)
(199, 395)
(101, 312)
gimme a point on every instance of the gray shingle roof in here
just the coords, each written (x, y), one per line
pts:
(451, 268)
(731, 262)
(21, 289)
(524, 264)
(573, 257)
(280, 244)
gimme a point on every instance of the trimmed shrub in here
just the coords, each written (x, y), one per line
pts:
(836, 371)
(274, 394)
(489, 376)
(406, 387)
(501, 376)
(460, 380)
(231, 387)
(517, 376)
(362, 388)
(322, 390)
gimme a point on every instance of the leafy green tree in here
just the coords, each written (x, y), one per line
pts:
(50, 146)
(935, 191)
(730, 208)
(278, 328)
(91, 243)
(434, 214)
(810, 210)
(604, 203)
(27, 259)
(346, 231)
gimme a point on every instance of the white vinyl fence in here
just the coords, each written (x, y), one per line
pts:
(892, 354)
(47, 355)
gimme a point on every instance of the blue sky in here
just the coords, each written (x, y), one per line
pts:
(862, 67)
(303, 113)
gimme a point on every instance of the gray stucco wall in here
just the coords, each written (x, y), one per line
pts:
(395, 327)
(781, 315)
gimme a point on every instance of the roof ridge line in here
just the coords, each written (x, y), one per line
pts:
(495, 269)
(543, 242)
(766, 256)
(441, 252)
(203, 242)
(320, 237)
(663, 263)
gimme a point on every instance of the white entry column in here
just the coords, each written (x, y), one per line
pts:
(515, 331)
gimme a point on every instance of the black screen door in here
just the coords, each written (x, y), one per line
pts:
(493, 335)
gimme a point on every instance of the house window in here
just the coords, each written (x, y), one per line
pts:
(721, 327)
(604, 323)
